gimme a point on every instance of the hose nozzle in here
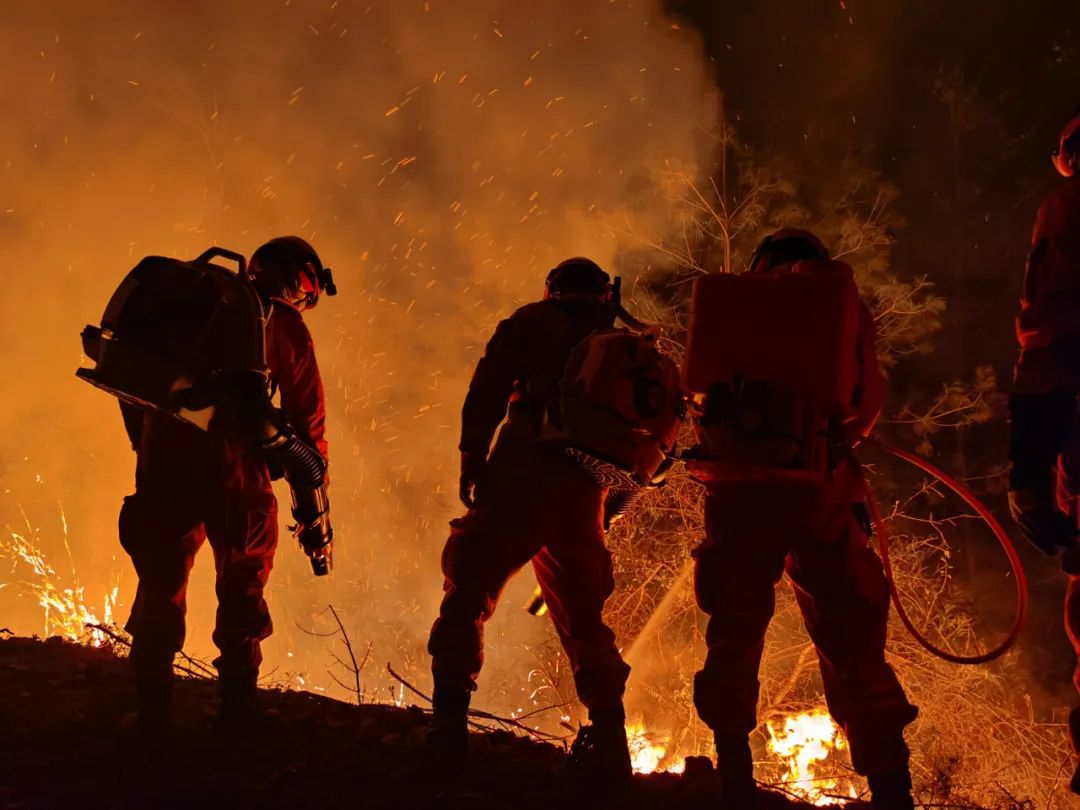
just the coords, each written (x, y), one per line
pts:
(311, 511)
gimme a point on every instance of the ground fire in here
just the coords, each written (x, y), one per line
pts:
(648, 754)
(704, 314)
(66, 610)
(804, 743)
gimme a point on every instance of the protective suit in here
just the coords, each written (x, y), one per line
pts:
(530, 501)
(1047, 327)
(532, 504)
(194, 352)
(757, 530)
(192, 486)
(1044, 481)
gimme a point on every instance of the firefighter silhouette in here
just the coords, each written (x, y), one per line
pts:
(781, 362)
(1044, 446)
(176, 336)
(536, 496)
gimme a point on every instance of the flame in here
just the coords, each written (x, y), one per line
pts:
(649, 751)
(803, 743)
(65, 607)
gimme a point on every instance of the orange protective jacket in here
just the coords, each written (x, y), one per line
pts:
(523, 366)
(191, 486)
(290, 355)
(1048, 326)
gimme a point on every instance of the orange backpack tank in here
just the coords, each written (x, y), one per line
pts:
(621, 404)
(772, 365)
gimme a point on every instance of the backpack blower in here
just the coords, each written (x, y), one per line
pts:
(188, 339)
(620, 410)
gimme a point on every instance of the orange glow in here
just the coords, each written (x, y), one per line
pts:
(803, 743)
(649, 751)
(66, 611)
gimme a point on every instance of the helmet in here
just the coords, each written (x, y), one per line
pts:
(786, 246)
(577, 277)
(289, 268)
(1067, 155)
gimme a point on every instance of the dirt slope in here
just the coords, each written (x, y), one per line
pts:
(65, 743)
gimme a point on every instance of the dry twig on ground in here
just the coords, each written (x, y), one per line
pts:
(192, 667)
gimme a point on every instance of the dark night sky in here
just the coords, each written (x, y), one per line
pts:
(819, 81)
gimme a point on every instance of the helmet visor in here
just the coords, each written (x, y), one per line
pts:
(306, 294)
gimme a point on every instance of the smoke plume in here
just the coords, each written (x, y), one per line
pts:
(440, 155)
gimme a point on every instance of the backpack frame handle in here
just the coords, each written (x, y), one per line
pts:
(219, 252)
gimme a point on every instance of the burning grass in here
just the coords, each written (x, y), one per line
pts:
(805, 744)
(975, 744)
(649, 751)
(66, 611)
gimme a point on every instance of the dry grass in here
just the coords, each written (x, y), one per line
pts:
(975, 744)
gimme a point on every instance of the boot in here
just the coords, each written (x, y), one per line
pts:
(241, 712)
(1074, 785)
(153, 674)
(155, 703)
(891, 791)
(600, 754)
(735, 765)
(446, 742)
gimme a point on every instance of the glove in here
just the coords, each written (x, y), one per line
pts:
(1043, 524)
(473, 472)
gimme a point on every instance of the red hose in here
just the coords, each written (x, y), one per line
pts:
(1003, 538)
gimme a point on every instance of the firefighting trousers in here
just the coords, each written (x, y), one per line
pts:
(1072, 628)
(539, 507)
(162, 531)
(752, 537)
(1068, 500)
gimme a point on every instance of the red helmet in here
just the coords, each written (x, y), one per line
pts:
(289, 268)
(577, 277)
(1068, 152)
(786, 246)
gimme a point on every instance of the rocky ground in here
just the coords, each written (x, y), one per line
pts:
(67, 741)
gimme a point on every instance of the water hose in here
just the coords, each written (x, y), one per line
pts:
(1003, 538)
